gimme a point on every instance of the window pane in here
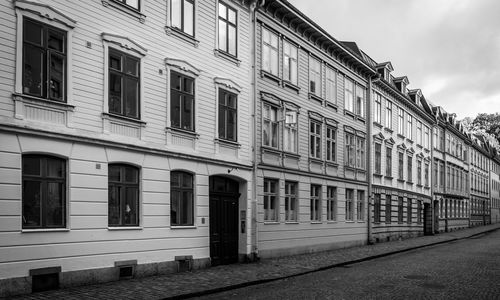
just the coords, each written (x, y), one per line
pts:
(188, 85)
(33, 70)
(55, 168)
(132, 100)
(176, 109)
(54, 206)
(132, 66)
(115, 91)
(114, 173)
(115, 62)
(187, 208)
(130, 213)
(57, 68)
(31, 166)
(232, 40)
(222, 11)
(231, 125)
(175, 13)
(114, 205)
(188, 17)
(56, 41)
(187, 180)
(222, 35)
(231, 16)
(131, 175)
(33, 32)
(133, 3)
(32, 194)
(187, 114)
(175, 180)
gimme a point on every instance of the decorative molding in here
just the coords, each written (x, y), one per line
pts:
(228, 83)
(182, 65)
(45, 11)
(124, 42)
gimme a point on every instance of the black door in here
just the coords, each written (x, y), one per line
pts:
(427, 219)
(223, 220)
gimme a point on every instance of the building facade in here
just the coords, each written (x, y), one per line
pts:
(495, 188)
(401, 159)
(480, 166)
(451, 173)
(124, 152)
(311, 136)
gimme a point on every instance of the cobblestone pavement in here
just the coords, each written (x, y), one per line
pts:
(216, 279)
(464, 269)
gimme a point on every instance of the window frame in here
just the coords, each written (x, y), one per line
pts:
(409, 126)
(316, 75)
(400, 209)
(331, 143)
(225, 109)
(400, 165)
(378, 108)
(360, 102)
(269, 50)
(289, 60)
(225, 19)
(360, 153)
(331, 85)
(272, 199)
(388, 161)
(349, 98)
(272, 124)
(388, 209)
(349, 205)
(350, 150)
(409, 168)
(360, 205)
(182, 16)
(331, 203)
(315, 139)
(181, 189)
(388, 114)
(376, 207)
(315, 203)
(401, 121)
(378, 158)
(182, 95)
(123, 185)
(291, 201)
(43, 178)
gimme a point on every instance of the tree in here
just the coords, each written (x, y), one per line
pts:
(487, 125)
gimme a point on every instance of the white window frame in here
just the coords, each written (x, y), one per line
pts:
(360, 100)
(315, 138)
(360, 205)
(315, 76)
(271, 215)
(331, 203)
(292, 59)
(181, 16)
(349, 94)
(349, 205)
(270, 50)
(315, 202)
(291, 200)
(401, 121)
(331, 85)
(409, 127)
(331, 143)
(419, 133)
(388, 114)
(378, 107)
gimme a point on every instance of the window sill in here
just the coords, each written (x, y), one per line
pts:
(409, 141)
(378, 125)
(401, 180)
(270, 149)
(316, 222)
(267, 74)
(349, 221)
(27, 230)
(291, 154)
(349, 113)
(361, 221)
(315, 160)
(231, 58)
(131, 11)
(183, 132)
(360, 118)
(271, 223)
(378, 175)
(182, 35)
(419, 185)
(387, 129)
(183, 227)
(389, 177)
(332, 105)
(292, 222)
(399, 135)
(291, 85)
(112, 228)
(332, 163)
(315, 98)
(228, 143)
(42, 101)
(122, 118)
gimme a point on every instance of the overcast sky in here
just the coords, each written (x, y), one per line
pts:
(450, 49)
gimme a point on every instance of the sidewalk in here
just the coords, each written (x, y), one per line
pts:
(220, 278)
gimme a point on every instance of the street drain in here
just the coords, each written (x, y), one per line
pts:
(416, 277)
(432, 285)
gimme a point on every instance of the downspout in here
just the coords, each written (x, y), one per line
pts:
(369, 164)
(254, 5)
(431, 179)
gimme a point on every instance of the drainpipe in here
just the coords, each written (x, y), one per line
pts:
(371, 80)
(254, 5)
(431, 179)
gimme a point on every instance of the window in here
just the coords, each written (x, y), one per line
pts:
(360, 206)
(427, 137)
(401, 119)
(400, 166)
(378, 108)
(270, 126)
(448, 177)
(315, 202)
(123, 84)
(419, 132)
(135, 4)
(290, 201)
(123, 195)
(290, 131)
(349, 94)
(378, 158)
(182, 15)
(447, 143)
(441, 139)
(227, 29)
(315, 139)
(290, 65)
(331, 85)
(388, 161)
(441, 175)
(426, 174)
(408, 210)
(349, 150)
(182, 101)
(331, 203)
(388, 114)
(360, 100)
(228, 115)
(388, 209)
(314, 76)
(376, 208)
(270, 200)
(410, 168)
(360, 153)
(409, 127)
(400, 209)
(269, 52)
(181, 199)
(331, 145)
(44, 61)
(44, 192)
(349, 209)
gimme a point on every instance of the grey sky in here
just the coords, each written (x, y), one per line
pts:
(448, 48)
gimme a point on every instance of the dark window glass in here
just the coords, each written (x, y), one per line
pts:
(228, 115)
(44, 192)
(123, 195)
(181, 199)
(124, 84)
(182, 101)
(44, 61)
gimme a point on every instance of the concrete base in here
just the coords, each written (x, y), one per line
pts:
(381, 237)
(268, 253)
(23, 285)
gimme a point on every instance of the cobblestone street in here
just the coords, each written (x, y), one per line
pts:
(465, 269)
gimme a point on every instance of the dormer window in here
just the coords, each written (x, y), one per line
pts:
(401, 83)
(385, 69)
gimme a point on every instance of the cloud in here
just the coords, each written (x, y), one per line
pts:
(448, 48)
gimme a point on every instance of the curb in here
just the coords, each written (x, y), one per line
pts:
(342, 264)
